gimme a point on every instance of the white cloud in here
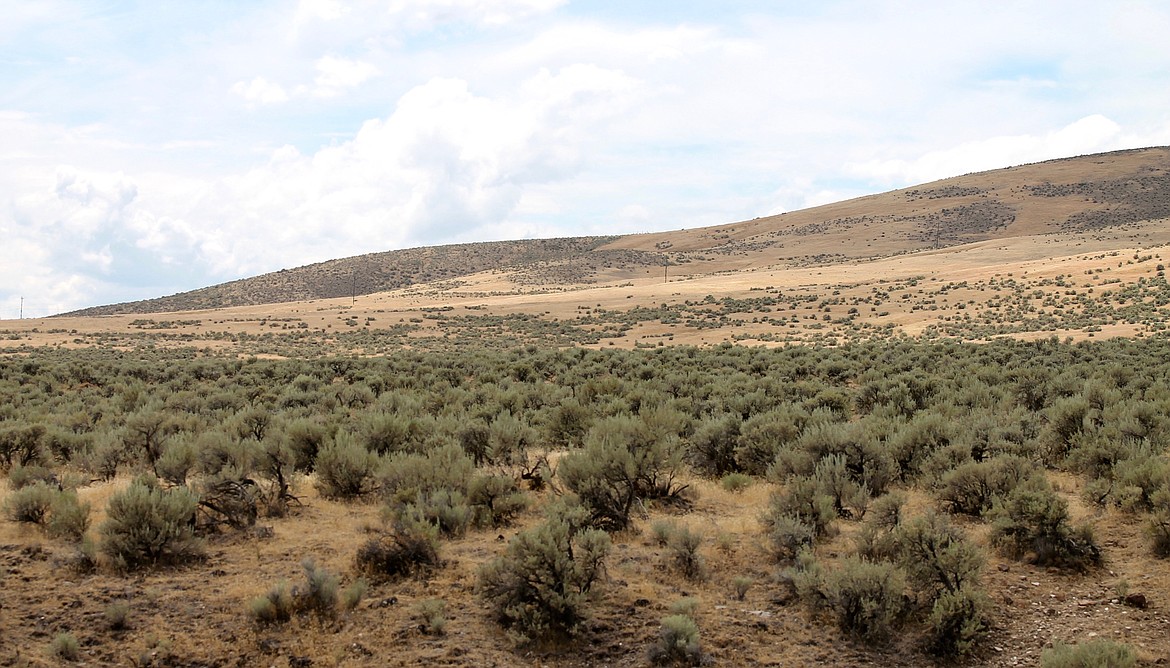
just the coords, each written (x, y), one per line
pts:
(1091, 134)
(260, 91)
(336, 74)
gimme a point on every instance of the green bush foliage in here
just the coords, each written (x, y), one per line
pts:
(1091, 654)
(345, 469)
(411, 547)
(678, 642)
(865, 598)
(974, 487)
(626, 460)
(1032, 522)
(30, 504)
(957, 621)
(683, 547)
(147, 525)
(539, 588)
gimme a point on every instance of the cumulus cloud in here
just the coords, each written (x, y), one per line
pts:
(336, 74)
(445, 163)
(1091, 134)
(260, 91)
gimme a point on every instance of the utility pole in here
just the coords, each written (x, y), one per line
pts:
(22, 308)
(664, 268)
(353, 291)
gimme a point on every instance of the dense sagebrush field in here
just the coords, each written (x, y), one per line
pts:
(731, 505)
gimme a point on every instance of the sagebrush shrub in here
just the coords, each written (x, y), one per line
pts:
(623, 463)
(1159, 523)
(788, 536)
(957, 621)
(974, 487)
(23, 476)
(30, 504)
(319, 592)
(147, 525)
(540, 586)
(937, 556)
(865, 597)
(68, 517)
(345, 469)
(65, 647)
(432, 613)
(684, 553)
(735, 482)
(1032, 521)
(117, 615)
(275, 606)
(495, 499)
(1091, 654)
(678, 642)
(411, 547)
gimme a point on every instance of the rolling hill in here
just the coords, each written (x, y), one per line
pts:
(1091, 197)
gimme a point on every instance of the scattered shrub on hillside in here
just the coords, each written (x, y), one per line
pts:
(117, 615)
(305, 437)
(684, 553)
(21, 444)
(345, 469)
(1091, 654)
(1159, 523)
(957, 621)
(937, 557)
(65, 647)
(496, 500)
(712, 447)
(275, 606)
(886, 511)
(147, 525)
(804, 502)
(30, 504)
(735, 482)
(317, 594)
(23, 476)
(678, 642)
(177, 461)
(741, 584)
(866, 598)
(411, 547)
(624, 462)
(974, 487)
(761, 437)
(1032, 522)
(446, 509)
(788, 535)
(540, 586)
(68, 517)
(432, 615)
(57, 511)
(407, 477)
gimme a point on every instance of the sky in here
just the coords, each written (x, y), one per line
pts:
(148, 148)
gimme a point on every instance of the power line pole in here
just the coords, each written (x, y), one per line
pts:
(353, 291)
(22, 308)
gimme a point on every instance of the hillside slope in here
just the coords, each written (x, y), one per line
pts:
(1068, 196)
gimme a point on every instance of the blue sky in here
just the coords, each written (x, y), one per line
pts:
(149, 148)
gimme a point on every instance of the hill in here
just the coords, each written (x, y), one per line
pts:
(1102, 193)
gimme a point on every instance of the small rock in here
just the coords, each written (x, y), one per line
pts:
(1003, 568)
